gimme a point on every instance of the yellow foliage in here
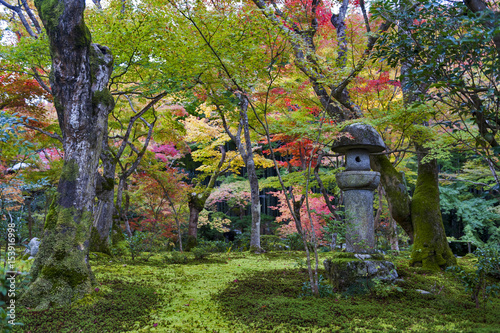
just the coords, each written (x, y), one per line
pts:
(217, 223)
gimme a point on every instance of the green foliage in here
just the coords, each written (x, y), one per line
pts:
(325, 289)
(272, 243)
(383, 289)
(294, 242)
(200, 252)
(142, 245)
(457, 62)
(120, 248)
(481, 219)
(216, 246)
(476, 282)
(176, 257)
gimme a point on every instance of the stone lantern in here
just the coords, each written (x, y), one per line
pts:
(358, 183)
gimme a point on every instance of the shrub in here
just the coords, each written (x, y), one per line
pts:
(142, 242)
(272, 243)
(176, 258)
(215, 246)
(477, 282)
(200, 252)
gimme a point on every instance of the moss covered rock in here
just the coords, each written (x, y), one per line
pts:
(346, 269)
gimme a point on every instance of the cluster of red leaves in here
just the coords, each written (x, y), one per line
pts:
(21, 94)
(318, 207)
(297, 149)
(382, 83)
(165, 152)
(49, 155)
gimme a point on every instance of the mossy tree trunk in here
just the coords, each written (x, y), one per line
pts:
(80, 73)
(396, 192)
(105, 206)
(430, 247)
(196, 203)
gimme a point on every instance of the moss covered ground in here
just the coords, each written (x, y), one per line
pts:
(245, 292)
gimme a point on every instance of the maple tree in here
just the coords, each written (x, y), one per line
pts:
(318, 208)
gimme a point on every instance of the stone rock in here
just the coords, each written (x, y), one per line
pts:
(423, 292)
(360, 136)
(32, 249)
(345, 270)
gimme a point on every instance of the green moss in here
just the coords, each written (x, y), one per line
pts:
(103, 97)
(51, 219)
(70, 171)
(117, 235)
(57, 104)
(430, 249)
(50, 11)
(72, 276)
(108, 184)
(97, 244)
(84, 37)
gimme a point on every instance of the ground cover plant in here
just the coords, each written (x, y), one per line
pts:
(246, 292)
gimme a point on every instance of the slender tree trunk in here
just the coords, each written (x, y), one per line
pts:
(393, 236)
(80, 73)
(28, 202)
(252, 178)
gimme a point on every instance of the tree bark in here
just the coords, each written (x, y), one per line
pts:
(247, 154)
(80, 73)
(396, 192)
(119, 200)
(430, 248)
(105, 208)
(196, 203)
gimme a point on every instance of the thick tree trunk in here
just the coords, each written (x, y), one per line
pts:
(194, 212)
(80, 73)
(105, 208)
(119, 201)
(430, 247)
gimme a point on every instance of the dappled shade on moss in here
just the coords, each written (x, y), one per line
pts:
(116, 311)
